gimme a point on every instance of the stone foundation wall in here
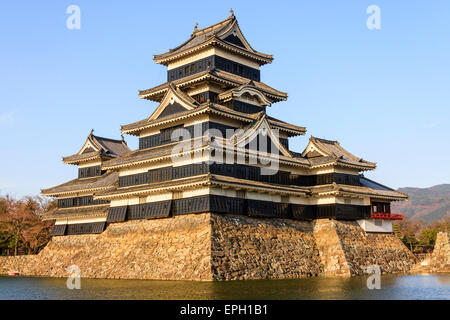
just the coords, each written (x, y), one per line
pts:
(210, 247)
(332, 256)
(439, 260)
(363, 249)
(166, 249)
(252, 248)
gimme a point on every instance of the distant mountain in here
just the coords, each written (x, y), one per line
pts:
(429, 204)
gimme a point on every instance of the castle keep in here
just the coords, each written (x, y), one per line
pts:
(215, 191)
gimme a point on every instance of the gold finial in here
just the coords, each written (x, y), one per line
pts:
(232, 12)
(195, 27)
(92, 132)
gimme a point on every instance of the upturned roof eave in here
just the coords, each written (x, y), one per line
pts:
(168, 57)
(340, 189)
(156, 93)
(136, 127)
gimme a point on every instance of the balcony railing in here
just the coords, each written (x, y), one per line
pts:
(386, 216)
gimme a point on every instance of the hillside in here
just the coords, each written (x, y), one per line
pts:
(429, 204)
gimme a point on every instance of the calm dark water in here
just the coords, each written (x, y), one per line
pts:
(392, 287)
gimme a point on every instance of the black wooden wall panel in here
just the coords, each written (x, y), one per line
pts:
(191, 205)
(160, 209)
(134, 179)
(232, 170)
(352, 212)
(90, 172)
(79, 202)
(213, 62)
(85, 228)
(58, 230)
(244, 107)
(238, 206)
(205, 96)
(164, 137)
(117, 214)
(303, 212)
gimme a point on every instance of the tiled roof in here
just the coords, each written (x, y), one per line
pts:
(136, 127)
(78, 212)
(361, 190)
(100, 147)
(213, 35)
(216, 75)
(112, 147)
(104, 181)
(178, 184)
(257, 185)
(333, 150)
(86, 156)
(148, 155)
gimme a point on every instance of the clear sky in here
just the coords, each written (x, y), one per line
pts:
(384, 94)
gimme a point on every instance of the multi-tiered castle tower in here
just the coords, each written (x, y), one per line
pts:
(202, 151)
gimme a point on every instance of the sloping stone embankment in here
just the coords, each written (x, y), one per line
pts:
(210, 247)
(252, 248)
(164, 249)
(439, 260)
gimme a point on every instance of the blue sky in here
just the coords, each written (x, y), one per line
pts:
(384, 94)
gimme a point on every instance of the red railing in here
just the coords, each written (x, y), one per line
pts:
(387, 216)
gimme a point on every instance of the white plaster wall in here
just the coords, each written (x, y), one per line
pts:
(90, 164)
(369, 225)
(79, 220)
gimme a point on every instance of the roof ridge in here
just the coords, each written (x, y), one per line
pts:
(211, 27)
(335, 142)
(109, 139)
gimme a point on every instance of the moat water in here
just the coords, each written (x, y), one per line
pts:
(403, 287)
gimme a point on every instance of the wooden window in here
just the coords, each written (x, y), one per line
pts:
(79, 201)
(134, 179)
(89, 172)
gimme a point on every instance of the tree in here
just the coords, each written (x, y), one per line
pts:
(428, 237)
(410, 241)
(21, 227)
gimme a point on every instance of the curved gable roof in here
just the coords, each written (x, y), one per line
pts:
(225, 33)
(318, 149)
(98, 147)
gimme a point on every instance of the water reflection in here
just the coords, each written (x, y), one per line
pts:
(392, 287)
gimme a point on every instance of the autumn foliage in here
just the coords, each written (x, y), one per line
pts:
(21, 229)
(420, 236)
